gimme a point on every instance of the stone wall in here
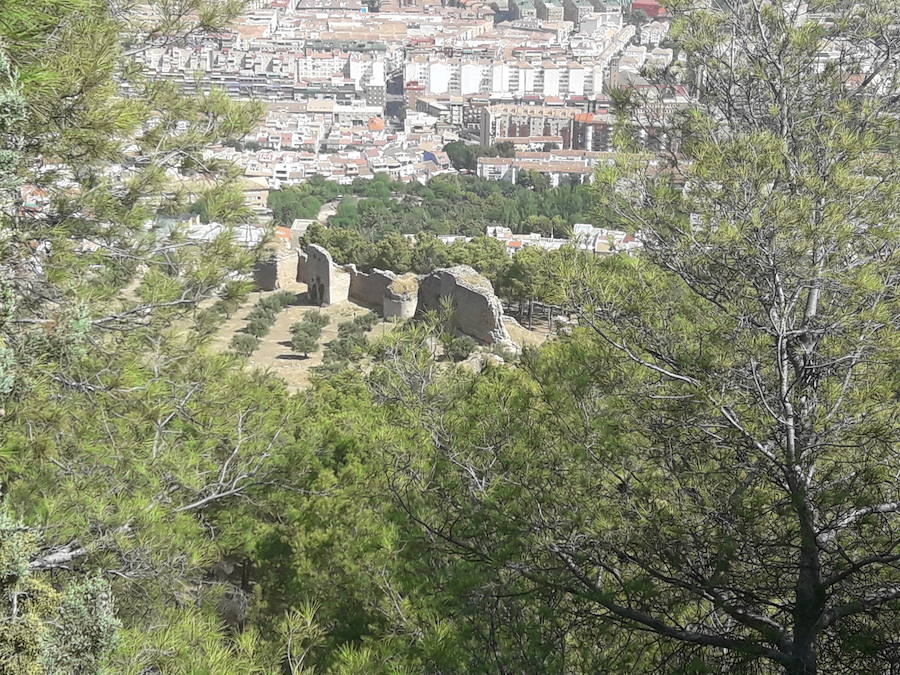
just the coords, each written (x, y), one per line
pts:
(478, 311)
(340, 286)
(265, 274)
(302, 275)
(279, 270)
(368, 288)
(287, 269)
(326, 283)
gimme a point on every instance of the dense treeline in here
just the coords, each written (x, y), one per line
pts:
(700, 477)
(461, 204)
(464, 156)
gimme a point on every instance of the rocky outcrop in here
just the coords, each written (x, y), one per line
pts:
(401, 297)
(477, 311)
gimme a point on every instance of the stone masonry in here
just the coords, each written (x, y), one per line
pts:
(401, 297)
(368, 287)
(326, 283)
(478, 312)
(275, 271)
(302, 260)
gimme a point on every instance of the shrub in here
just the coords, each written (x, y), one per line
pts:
(258, 327)
(505, 352)
(262, 314)
(303, 343)
(366, 321)
(329, 368)
(271, 302)
(244, 344)
(228, 306)
(349, 348)
(306, 328)
(459, 348)
(277, 301)
(316, 317)
(349, 328)
(208, 320)
(285, 298)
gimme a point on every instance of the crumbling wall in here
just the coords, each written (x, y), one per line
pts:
(326, 283)
(265, 274)
(275, 271)
(368, 287)
(286, 269)
(401, 297)
(477, 311)
(302, 274)
(340, 286)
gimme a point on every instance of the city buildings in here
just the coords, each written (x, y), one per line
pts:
(355, 89)
(529, 125)
(585, 237)
(559, 167)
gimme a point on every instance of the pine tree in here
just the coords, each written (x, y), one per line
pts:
(99, 370)
(704, 476)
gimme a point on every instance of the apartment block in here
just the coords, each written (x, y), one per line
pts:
(549, 10)
(505, 122)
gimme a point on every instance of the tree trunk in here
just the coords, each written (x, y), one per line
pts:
(805, 661)
(809, 599)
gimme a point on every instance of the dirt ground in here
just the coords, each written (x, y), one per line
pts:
(524, 337)
(274, 351)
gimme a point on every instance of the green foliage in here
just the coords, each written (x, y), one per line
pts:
(258, 327)
(374, 210)
(726, 383)
(12, 118)
(83, 632)
(397, 254)
(115, 163)
(459, 348)
(533, 180)
(262, 314)
(348, 328)
(305, 328)
(292, 203)
(366, 321)
(191, 642)
(244, 343)
(392, 253)
(316, 317)
(465, 156)
(701, 477)
(232, 297)
(350, 344)
(277, 301)
(304, 343)
(262, 317)
(43, 630)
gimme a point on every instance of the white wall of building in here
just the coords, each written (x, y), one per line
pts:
(576, 81)
(439, 78)
(470, 79)
(551, 82)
